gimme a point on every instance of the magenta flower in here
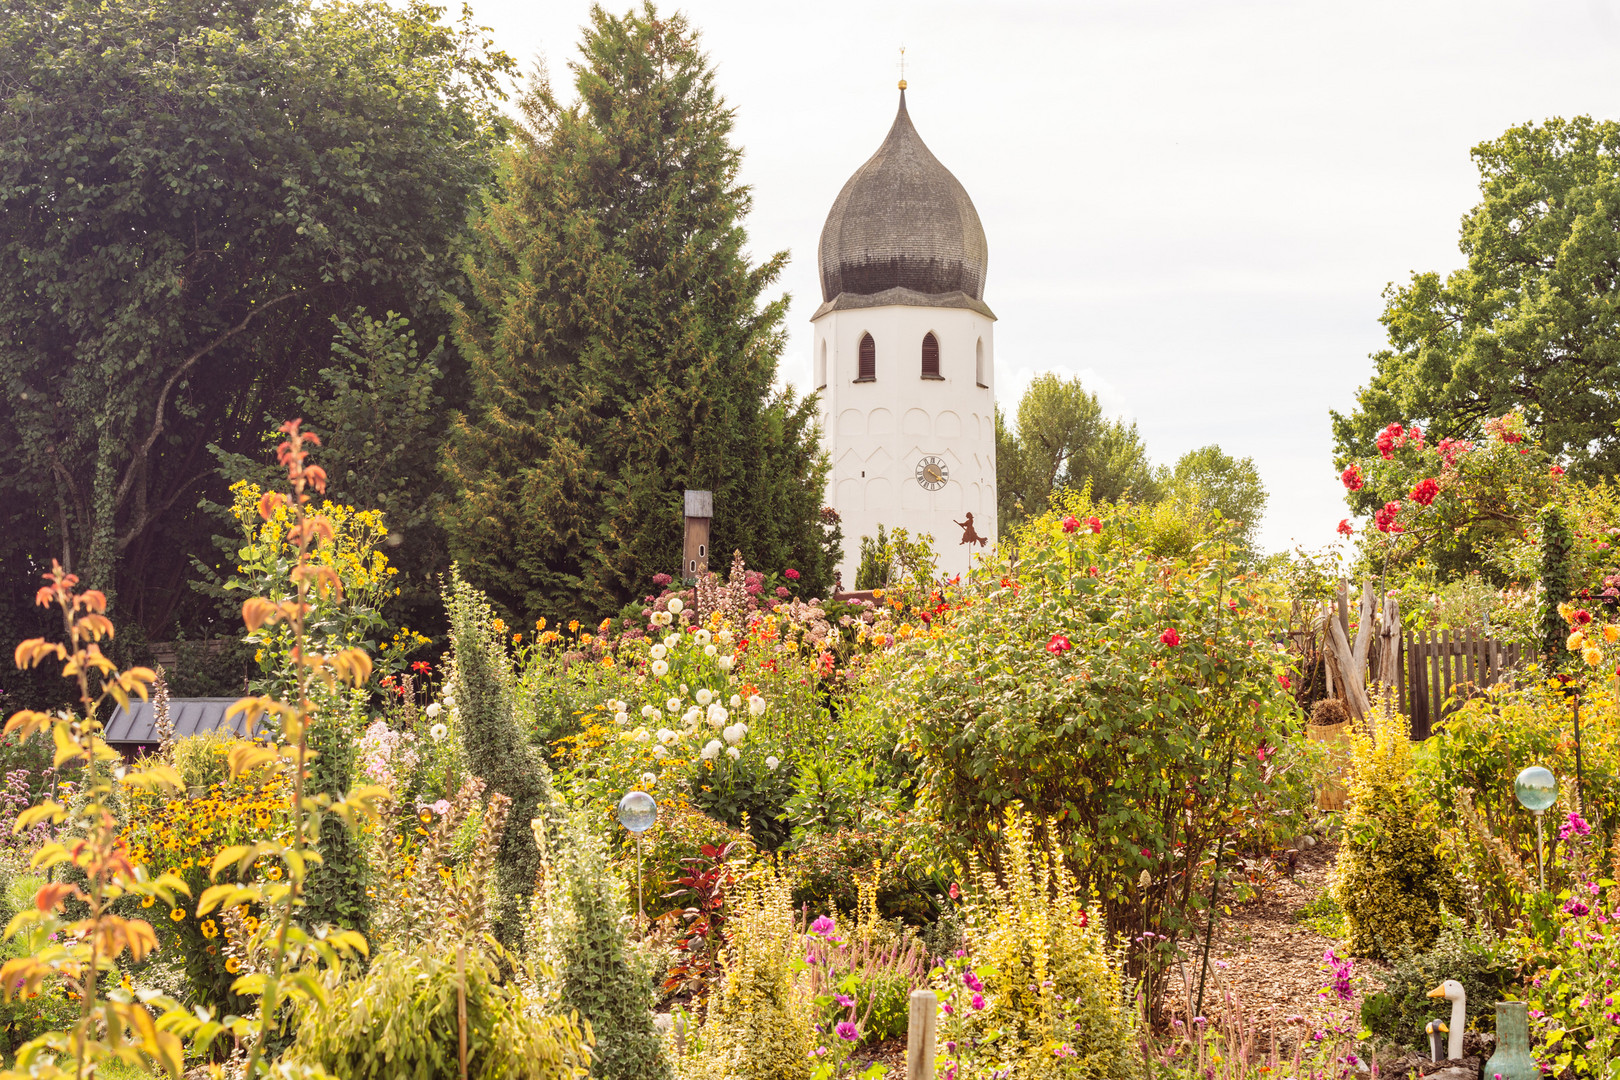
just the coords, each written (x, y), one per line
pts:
(847, 1031)
(845, 1001)
(978, 1002)
(822, 926)
(791, 574)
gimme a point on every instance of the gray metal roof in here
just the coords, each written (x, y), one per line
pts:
(191, 716)
(903, 221)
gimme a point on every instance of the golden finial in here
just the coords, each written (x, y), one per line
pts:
(902, 67)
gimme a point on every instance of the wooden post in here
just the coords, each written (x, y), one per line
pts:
(920, 1036)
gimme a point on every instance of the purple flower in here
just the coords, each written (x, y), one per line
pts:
(1575, 826)
(822, 926)
(845, 1001)
(1573, 906)
(847, 1032)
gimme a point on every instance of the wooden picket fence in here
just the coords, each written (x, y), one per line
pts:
(1442, 669)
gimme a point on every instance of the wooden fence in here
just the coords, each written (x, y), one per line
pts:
(1442, 669)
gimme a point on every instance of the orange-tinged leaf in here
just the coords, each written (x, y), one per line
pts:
(27, 721)
(258, 612)
(269, 503)
(48, 810)
(51, 895)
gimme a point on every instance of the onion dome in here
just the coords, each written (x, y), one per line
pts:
(903, 222)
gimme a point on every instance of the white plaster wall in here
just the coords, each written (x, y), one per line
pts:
(875, 433)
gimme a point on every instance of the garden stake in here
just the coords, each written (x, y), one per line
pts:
(1231, 745)
(1580, 803)
(461, 1008)
(1214, 889)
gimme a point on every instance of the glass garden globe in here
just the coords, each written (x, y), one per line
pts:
(638, 811)
(1536, 788)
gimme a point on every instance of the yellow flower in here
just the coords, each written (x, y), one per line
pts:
(1575, 641)
(233, 965)
(148, 901)
(573, 626)
(177, 915)
(1567, 611)
(1611, 633)
(209, 929)
(1592, 656)
(607, 624)
(274, 873)
(540, 624)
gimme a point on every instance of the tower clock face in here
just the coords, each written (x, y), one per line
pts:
(932, 473)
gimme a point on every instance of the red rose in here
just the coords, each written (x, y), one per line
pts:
(1557, 471)
(1384, 518)
(1092, 570)
(1096, 525)
(1581, 617)
(1282, 680)
(1058, 645)
(791, 574)
(1170, 637)
(1071, 523)
(1344, 527)
(1425, 491)
(1352, 478)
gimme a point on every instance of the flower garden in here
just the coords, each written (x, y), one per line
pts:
(1034, 795)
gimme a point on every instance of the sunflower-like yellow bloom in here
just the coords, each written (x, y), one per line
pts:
(1592, 656)
(1576, 641)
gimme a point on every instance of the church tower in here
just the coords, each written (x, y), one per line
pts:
(905, 356)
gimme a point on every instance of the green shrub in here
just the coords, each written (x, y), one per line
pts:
(827, 868)
(201, 760)
(581, 937)
(400, 1021)
(1060, 685)
(497, 748)
(1475, 959)
(1388, 879)
(756, 1025)
(1039, 995)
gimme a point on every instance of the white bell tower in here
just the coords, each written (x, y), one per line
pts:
(904, 356)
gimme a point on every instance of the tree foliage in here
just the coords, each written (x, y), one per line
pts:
(188, 193)
(1061, 439)
(618, 347)
(1531, 322)
(1210, 479)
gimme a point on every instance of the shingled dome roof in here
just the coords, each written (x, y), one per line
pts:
(904, 222)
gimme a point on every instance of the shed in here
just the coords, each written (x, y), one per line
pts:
(133, 730)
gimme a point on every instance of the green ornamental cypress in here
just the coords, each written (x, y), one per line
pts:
(1556, 586)
(582, 939)
(618, 348)
(497, 751)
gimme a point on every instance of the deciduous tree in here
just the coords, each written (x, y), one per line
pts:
(1531, 323)
(188, 192)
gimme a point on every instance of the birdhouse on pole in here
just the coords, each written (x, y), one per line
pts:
(699, 513)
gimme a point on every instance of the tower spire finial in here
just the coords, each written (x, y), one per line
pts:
(902, 67)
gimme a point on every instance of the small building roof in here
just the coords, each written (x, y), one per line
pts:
(137, 725)
(700, 504)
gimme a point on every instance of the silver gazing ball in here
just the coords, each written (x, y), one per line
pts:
(1536, 789)
(637, 811)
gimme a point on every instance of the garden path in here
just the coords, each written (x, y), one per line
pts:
(1266, 957)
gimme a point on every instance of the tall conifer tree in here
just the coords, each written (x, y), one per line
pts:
(619, 347)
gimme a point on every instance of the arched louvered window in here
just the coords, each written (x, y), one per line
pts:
(930, 357)
(821, 368)
(868, 371)
(981, 373)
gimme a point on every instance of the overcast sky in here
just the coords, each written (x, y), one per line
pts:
(1192, 205)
